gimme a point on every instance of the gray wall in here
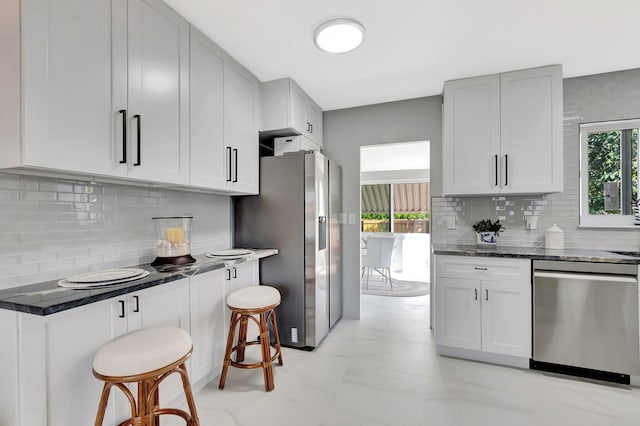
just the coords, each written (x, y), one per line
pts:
(345, 131)
(601, 97)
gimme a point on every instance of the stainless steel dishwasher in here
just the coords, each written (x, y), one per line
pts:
(585, 319)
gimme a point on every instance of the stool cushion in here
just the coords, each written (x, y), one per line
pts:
(142, 351)
(253, 297)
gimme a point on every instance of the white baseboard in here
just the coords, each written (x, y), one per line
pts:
(511, 361)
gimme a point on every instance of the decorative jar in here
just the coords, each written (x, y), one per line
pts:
(487, 238)
(173, 240)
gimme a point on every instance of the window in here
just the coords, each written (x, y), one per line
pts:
(407, 203)
(609, 173)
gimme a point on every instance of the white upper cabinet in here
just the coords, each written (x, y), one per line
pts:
(502, 134)
(68, 120)
(471, 136)
(106, 93)
(241, 117)
(531, 130)
(208, 165)
(156, 91)
(313, 114)
(224, 120)
(287, 110)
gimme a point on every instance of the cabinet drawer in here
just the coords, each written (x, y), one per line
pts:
(481, 267)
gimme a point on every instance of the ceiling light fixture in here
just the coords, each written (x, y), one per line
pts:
(339, 35)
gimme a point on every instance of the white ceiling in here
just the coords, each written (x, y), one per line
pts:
(412, 46)
(395, 156)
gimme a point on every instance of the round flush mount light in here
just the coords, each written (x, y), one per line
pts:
(339, 35)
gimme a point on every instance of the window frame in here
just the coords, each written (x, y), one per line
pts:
(601, 221)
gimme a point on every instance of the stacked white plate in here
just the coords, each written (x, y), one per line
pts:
(229, 254)
(103, 278)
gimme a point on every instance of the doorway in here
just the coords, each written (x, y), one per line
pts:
(395, 214)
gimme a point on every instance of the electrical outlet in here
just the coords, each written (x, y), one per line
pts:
(352, 218)
(294, 335)
(451, 222)
(531, 222)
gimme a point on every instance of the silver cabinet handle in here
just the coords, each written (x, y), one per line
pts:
(486, 294)
(478, 268)
(475, 292)
(235, 272)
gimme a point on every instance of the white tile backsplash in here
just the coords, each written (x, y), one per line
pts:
(54, 227)
(610, 96)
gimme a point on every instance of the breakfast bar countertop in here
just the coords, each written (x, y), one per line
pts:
(535, 253)
(48, 298)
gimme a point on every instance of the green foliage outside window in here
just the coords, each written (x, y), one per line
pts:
(604, 166)
(385, 216)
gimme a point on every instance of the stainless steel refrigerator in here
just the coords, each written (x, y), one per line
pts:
(297, 212)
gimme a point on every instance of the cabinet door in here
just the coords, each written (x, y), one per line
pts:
(208, 164)
(458, 313)
(314, 118)
(69, 123)
(297, 108)
(207, 324)
(506, 317)
(163, 305)
(246, 274)
(158, 87)
(57, 363)
(240, 127)
(531, 130)
(471, 136)
(10, 361)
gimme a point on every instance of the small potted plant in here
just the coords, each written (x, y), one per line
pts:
(487, 232)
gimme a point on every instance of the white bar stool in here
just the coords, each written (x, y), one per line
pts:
(147, 357)
(244, 304)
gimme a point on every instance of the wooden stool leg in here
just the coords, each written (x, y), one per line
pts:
(186, 385)
(143, 417)
(276, 335)
(266, 353)
(154, 403)
(242, 338)
(227, 353)
(102, 407)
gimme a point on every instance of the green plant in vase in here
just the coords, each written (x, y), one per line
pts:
(487, 232)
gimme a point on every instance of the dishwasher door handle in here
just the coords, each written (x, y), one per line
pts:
(589, 277)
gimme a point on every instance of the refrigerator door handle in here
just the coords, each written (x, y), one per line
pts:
(322, 232)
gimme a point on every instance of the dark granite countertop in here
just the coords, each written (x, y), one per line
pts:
(47, 298)
(574, 255)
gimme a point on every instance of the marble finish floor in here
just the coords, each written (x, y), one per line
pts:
(383, 370)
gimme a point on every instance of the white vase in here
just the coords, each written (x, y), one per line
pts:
(488, 238)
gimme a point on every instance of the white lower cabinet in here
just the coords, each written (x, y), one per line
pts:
(484, 305)
(210, 316)
(57, 386)
(207, 324)
(49, 359)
